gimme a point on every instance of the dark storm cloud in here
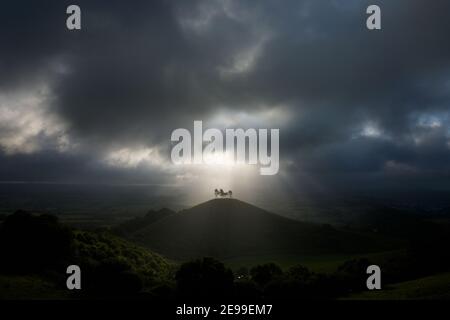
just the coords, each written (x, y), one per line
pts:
(138, 70)
(73, 168)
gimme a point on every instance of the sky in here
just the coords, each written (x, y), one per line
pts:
(356, 108)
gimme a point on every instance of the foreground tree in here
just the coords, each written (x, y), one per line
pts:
(32, 243)
(204, 279)
(263, 274)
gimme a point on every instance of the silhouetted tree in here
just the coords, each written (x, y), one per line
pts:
(31, 243)
(299, 273)
(263, 274)
(242, 273)
(204, 279)
(246, 290)
(111, 278)
(352, 274)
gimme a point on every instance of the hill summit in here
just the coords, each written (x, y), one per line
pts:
(225, 228)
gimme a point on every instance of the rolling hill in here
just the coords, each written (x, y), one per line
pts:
(225, 228)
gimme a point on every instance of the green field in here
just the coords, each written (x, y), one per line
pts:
(433, 287)
(317, 263)
(29, 288)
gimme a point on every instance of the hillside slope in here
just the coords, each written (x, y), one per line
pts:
(226, 228)
(435, 287)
